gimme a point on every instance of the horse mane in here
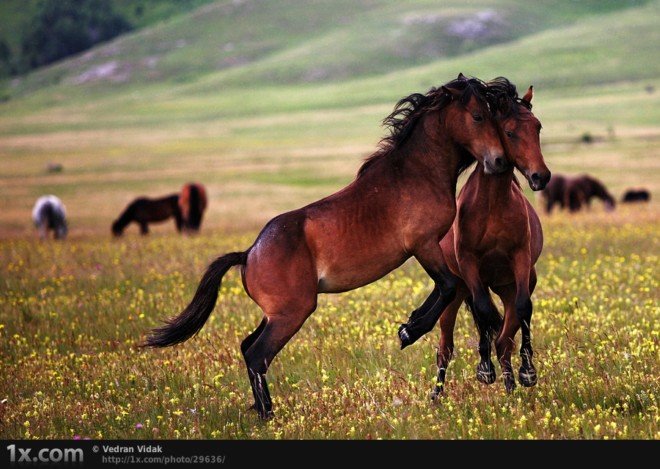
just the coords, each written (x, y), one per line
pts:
(503, 99)
(407, 112)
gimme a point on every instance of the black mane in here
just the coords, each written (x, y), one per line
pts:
(503, 99)
(408, 111)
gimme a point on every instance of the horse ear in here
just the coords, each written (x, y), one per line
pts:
(529, 95)
(461, 76)
(450, 91)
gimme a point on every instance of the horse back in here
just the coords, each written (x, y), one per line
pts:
(148, 210)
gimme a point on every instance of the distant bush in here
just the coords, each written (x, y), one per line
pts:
(65, 27)
(587, 138)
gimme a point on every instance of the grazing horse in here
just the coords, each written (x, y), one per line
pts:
(575, 192)
(636, 195)
(144, 211)
(49, 214)
(192, 203)
(400, 205)
(494, 243)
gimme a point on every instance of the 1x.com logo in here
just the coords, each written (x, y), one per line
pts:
(55, 455)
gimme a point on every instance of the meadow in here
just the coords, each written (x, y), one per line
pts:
(72, 314)
(265, 135)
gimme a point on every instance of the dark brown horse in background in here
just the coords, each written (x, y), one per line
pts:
(635, 195)
(575, 192)
(144, 211)
(192, 203)
(494, 243)
(400, 205)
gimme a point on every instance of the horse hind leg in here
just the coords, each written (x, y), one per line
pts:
(247, 343)
(277, 331)
(527, 375)
(446, 345)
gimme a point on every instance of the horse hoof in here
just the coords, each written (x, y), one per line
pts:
(266, 415)
(437, 393)
(527, 376)
(263, 413)
(404, 336)
(486, 373)
(509, 383)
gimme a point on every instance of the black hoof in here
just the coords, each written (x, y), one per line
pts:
(266, 415)
(404, 336)
(527, 376)
(263, 413)
(509, 382)
(437, 393)
(486, 372)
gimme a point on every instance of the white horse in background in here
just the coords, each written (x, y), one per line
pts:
(49, 214)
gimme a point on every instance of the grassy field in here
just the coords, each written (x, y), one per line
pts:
(71, 315)
(279, 118)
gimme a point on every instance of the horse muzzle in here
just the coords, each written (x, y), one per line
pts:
(538, 180)
(496, 165)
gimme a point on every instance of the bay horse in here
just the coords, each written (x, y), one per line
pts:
(192, 203)
(494, 243)
(400, 204)
(575, 192)
(144, 210)
(49, 213)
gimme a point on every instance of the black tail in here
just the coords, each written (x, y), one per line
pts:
(191, 320)
(492, 323)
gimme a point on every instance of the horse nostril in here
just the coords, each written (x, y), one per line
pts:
(536, 177)
(499, 162)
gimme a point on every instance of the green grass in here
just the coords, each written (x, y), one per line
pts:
(72, 313)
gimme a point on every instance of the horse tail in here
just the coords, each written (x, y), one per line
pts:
(190, 321)
(491, 323)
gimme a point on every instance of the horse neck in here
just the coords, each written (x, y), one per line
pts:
(598, 190)
(125, 218)
(436, 160)
(495, 189)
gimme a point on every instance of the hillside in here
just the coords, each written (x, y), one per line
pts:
(171, 103)
(239, 42)
(15, 15)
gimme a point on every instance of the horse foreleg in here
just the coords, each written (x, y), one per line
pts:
(485, 314)
(506, 339)
(144, 228)
(178, 220)
(43, 231)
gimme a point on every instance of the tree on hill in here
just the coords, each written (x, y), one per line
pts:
(65, 27)
(6, 67)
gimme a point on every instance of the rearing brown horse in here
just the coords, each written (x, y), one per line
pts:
(494, 242)
(400, 205)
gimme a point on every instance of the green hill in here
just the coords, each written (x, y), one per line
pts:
(293, 41)
(15, 15)
(274, 104)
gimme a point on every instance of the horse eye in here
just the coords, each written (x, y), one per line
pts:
(477, 117)
(509, 134)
